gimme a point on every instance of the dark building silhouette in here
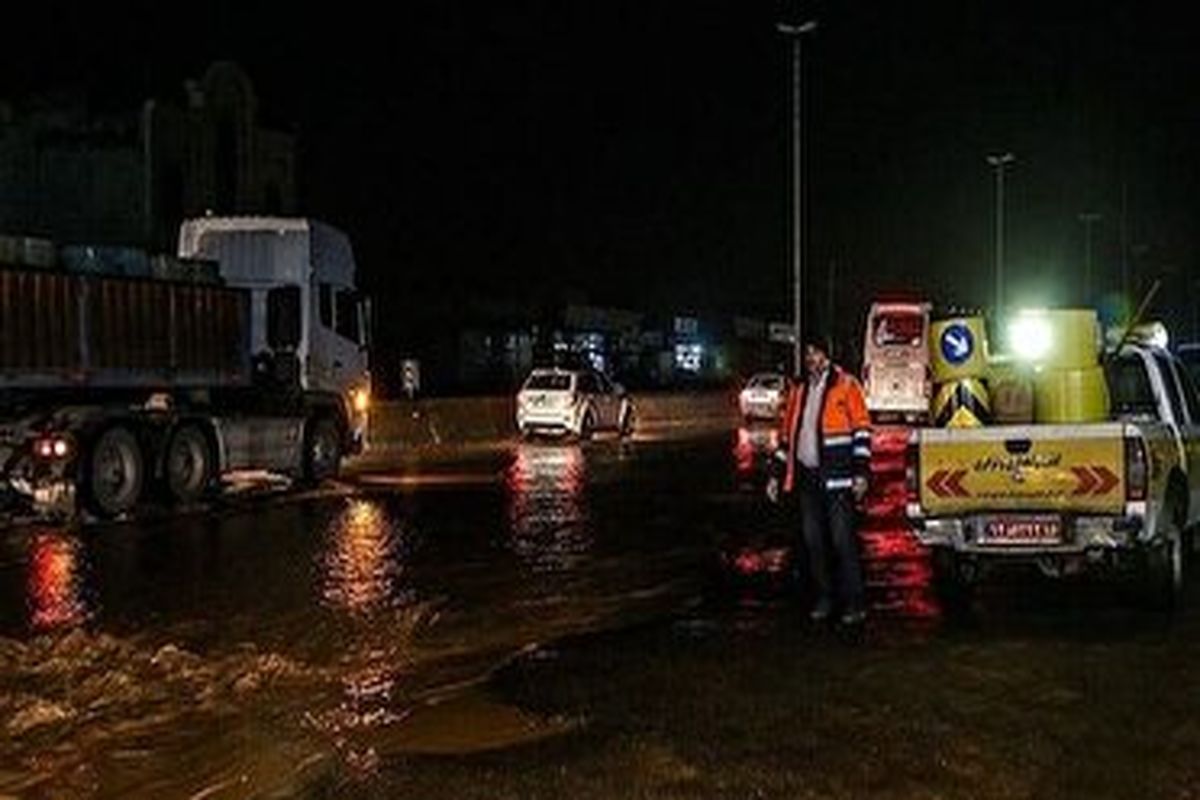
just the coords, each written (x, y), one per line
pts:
(130, 177)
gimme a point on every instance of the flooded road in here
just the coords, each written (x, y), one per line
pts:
(480, 607)
(315, 622)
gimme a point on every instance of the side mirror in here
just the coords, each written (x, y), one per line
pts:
(367, 320)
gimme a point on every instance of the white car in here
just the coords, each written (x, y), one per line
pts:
(574, 402)
(763, 396)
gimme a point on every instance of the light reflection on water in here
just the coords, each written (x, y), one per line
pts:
(362, 566)
(753, 446)
(547, 511)
(55, 585)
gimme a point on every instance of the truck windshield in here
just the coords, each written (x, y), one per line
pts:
(549, 381)
(898, 329)
(1129, 386)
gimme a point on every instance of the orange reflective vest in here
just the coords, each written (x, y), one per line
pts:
(845, 435)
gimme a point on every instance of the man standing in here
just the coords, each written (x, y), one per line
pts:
(825, 453)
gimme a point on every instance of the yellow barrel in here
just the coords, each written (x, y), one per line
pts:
(1071, 395)
(958, 349)
(962, 404)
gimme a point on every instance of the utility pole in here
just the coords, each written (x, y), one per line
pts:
(1088, 218)
(797, 33)
(998, 163)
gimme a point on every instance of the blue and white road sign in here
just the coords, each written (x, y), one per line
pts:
(958, 343)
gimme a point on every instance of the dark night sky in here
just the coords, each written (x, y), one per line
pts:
(637, 153)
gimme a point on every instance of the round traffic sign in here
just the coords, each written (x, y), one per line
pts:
(958, 343)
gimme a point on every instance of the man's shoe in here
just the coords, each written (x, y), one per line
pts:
(851, 618)
(821, 611)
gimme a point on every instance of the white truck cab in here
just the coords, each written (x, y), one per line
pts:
(269, 254)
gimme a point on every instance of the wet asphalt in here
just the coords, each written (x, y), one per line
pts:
(548, 619)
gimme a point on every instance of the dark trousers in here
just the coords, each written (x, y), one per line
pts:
(828, 523)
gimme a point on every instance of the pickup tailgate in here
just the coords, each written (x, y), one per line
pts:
(1027, 468)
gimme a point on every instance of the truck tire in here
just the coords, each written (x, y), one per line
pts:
(322, 450)
(114, 473)
(188, 464)
(1163, 566)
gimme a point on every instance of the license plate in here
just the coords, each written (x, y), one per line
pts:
(1022, 530)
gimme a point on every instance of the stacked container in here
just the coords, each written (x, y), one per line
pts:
(1069, 385)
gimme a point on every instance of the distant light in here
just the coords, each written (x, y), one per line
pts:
(1030, 335)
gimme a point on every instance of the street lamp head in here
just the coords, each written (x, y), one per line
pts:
(1001, 159)
(796, 30)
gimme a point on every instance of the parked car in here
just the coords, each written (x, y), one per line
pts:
(763, 396)
(573, 402)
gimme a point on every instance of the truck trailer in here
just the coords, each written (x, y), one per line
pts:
(116, 389)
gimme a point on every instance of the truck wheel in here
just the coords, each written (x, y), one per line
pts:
(115, 470)
(189, 464)
(1162, 571)
(1163, 575)
(322, 451)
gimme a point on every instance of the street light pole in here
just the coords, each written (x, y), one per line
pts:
(999, 162)
(1088, 218)
(796, 33)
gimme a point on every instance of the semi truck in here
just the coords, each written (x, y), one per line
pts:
(119, 389)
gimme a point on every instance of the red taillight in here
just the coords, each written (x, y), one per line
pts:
(1137, 471)
(912, 470)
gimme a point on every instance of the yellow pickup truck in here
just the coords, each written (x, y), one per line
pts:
(1116, 494)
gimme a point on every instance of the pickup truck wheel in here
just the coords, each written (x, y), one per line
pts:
(189, 465)
(1163, 570)
(322, 451)
(115, 470)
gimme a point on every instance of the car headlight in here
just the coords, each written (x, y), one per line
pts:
(360, 400)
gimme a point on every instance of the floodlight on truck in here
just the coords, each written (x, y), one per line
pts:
(1030, 335)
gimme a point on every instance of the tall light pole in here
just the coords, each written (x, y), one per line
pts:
(797, 33)
(999, 162)
(1088, 218)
